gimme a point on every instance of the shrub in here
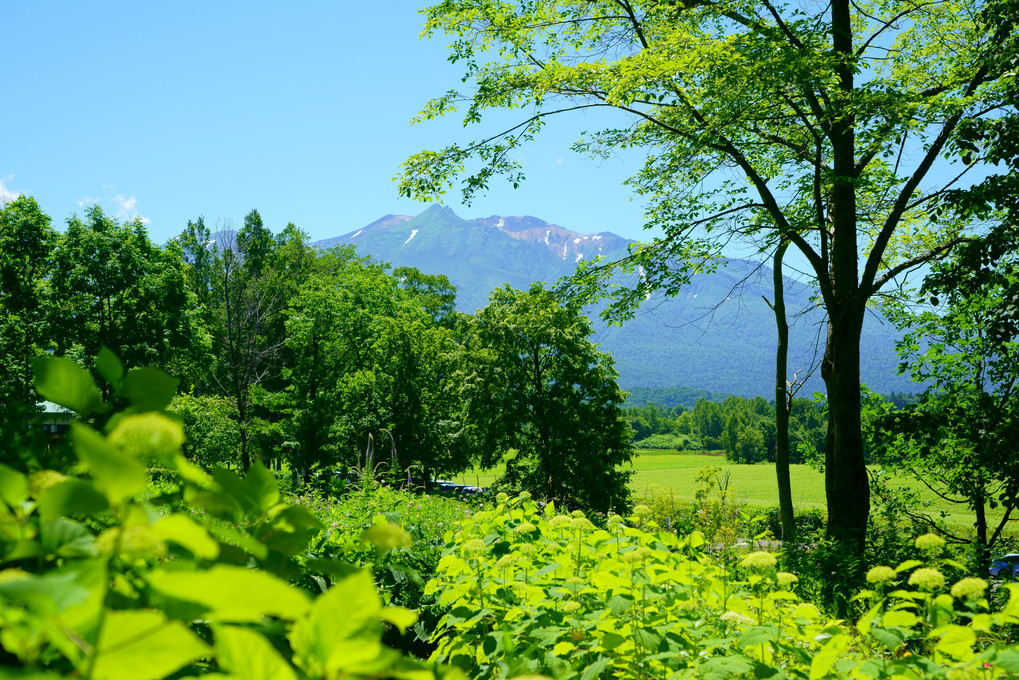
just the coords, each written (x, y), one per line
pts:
(96, 583)
(529, 591)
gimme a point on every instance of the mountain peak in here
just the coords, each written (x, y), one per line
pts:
(565, 244)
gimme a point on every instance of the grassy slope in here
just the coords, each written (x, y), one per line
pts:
(753, 484)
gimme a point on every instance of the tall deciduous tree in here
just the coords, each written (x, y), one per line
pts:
(26, 252)
(112, 286)
(819, 124)
(540, 387)
(960, 438)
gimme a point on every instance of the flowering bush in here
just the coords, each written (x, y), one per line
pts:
(529, 591)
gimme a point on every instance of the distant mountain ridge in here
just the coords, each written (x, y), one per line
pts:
(718, 334)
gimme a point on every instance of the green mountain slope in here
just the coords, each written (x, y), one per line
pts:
(718, 334)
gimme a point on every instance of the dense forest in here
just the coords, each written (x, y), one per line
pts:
(325, 364)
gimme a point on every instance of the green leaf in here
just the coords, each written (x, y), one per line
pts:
(66, 383)
(187, 533)
(262, 487)
(1008, 660)
(47, 594)
(891, 638)
(74, 497)
(956, 641)
(327, 644)
(233, 594)
(108, 366)
(595, 669)
(144, 645)
(13, 486)
(149, 389)
(899, 617)
(117, 475)
(67, 538)
(400, 617)
(246, 654)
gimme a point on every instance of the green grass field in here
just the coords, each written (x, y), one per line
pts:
(755, 485)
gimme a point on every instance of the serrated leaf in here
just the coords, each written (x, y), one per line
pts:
(148, 388)
(246, 654)
(66, 383)
(144, 645)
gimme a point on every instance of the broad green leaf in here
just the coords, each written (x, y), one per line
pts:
(246, 654)
(149, 389)
(187, 533)
(234, 487)
(46, 594)
(262, 487)
(823, 661)
(595, 669)
(108, 366)
(233, 594)
(67, 538)
(325, 643)
(13, 486)
(907, 565)
(890, 637)
(899, 617)
(75, 497)
(400, 617)
(117, 475)
(66, 383)
(956, 641)
(1008, 660)
(144, 645)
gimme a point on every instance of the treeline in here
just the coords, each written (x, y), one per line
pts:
(744, 429)
(323, 364)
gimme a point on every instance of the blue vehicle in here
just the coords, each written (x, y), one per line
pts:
(1006, 566)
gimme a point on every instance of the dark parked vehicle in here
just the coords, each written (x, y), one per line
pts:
(1006, 566)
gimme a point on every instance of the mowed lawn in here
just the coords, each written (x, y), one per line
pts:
(754, 485)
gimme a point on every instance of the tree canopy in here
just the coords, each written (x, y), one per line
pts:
(823, 125)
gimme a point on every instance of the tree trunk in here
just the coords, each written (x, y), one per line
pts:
(847, 487)
(782, 404)
(983, 556)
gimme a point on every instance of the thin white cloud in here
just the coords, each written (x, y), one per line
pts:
(7, 195)
(126, 209)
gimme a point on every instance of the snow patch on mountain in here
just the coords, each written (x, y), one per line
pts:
(413, 233)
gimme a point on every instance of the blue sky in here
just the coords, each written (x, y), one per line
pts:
(301, 110)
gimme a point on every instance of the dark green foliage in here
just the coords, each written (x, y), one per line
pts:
(98, 583)
(960, 437)
(26, 261)
(539, 387)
